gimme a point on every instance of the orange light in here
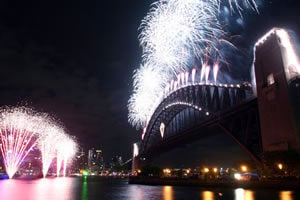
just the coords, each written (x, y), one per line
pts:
(215, 170)
(206, 170)
(208, 195)
(167, 171)
(280, 166)
(244, 168)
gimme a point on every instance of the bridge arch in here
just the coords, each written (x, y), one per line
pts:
(192, 107)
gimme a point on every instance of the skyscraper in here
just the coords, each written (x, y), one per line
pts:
(95, 160)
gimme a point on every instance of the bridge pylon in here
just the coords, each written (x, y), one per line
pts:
(276, 70)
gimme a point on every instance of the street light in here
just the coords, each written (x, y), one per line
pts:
(244, 168)
(215, 170)
(280, 166)
(206, 170)
(167, 172)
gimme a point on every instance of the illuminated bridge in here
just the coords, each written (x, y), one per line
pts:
(196, 111)
(259, 124)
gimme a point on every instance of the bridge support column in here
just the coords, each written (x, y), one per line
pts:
(275, 70)
(135, 164)
(135, 159)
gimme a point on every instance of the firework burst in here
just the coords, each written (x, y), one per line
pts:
(148, 84)
(175, 31)
(22, 128)
(173, 35)
(48, 145)
(19, 132)
(66, 148)
(239, 5)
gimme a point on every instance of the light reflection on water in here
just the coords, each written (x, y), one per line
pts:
(84, 188)
(137, 192)
(208, 195)
(286, 195)
(36, 189)
(241, 194)
(168, 193)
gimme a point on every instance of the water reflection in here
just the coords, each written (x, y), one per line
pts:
(168, 193)
(62, 187)
(84, 189)
(111, 189)
(208, 195)
(136, 192)
(36, 189)
(241, 194)
(286, 195)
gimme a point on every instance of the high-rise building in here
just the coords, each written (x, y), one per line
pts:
(80, 162)
(95, 160)
(116, 161)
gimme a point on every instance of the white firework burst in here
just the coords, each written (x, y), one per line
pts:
(172, 35)
(148, 84)
(176, 31)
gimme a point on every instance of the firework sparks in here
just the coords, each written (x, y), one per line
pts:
(48, 145)
(19, 129)
(68, 152)
(172, 35)
(66, 149)
(239, 5)
(148, 87)
(215, 71)
(175, 31)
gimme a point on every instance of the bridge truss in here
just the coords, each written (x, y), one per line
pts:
(196, 111)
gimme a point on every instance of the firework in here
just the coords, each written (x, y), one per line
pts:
(148, 87)
(215, 71)
(68, 153)
(173, 34)
(66, 149)
(19, 132)
(48, 145)
(239, 5)
(21, 129)
(193, 75)
(175, 31)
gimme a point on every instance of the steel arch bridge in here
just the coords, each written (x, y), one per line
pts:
(259, 124)
(195, 111)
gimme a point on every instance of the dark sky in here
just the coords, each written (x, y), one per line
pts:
(74, 60)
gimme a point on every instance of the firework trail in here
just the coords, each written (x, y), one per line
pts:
(48, 145)
(21, 129)
(239, 5)
(54, 142)
(173, 34)
(66, 149)
(69, 151)
(19, 132)
(59, 159)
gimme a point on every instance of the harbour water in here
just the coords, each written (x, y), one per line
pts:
(90, 188)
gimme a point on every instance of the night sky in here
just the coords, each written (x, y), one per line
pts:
(75, 60)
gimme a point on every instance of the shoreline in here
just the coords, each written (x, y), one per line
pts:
(260, 184)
